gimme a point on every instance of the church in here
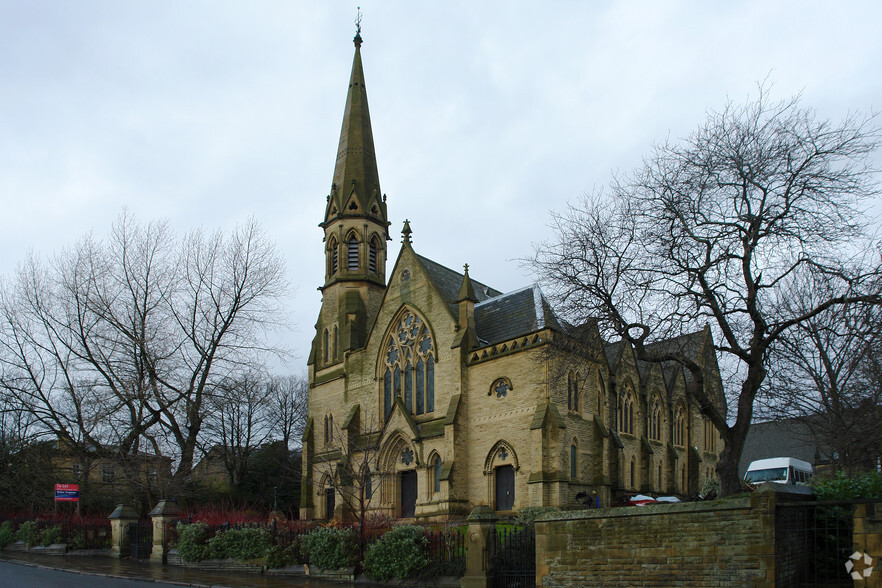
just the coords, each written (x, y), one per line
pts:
(432, 393)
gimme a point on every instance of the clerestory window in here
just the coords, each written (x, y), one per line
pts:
(409, 367)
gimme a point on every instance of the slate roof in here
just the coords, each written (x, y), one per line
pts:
(613, 352)
(498, 316)
(448, 281)
(784, 438)
(510, 315)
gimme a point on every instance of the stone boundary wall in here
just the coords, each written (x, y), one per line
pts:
(720, 543)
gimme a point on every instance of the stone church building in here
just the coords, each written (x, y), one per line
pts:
(431, 392)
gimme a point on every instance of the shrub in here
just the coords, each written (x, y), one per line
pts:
(400, 553)
(278, 556)
(528, 514)
(29, 533)
(331, 549)
(193, 541)
(7, 534)
(867, 485)
(50, 535)
(239, 544)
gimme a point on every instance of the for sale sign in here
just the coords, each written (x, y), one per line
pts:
(67, 492)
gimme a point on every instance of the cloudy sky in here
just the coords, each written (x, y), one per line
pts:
(486, 115)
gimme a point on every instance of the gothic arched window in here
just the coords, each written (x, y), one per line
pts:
(655, 420)
(332, 256)
(372, 256)
(409, 367)
(436, 474)
(679, 426)
(352, 252)
(626, 412)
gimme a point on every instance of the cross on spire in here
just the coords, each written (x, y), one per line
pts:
(357, 39)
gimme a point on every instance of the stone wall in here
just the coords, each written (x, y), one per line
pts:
(721, 543)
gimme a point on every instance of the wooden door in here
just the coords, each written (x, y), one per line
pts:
(505, 488)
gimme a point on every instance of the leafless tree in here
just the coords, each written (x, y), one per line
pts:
(238, 421)
(357, 476)
(288, 399)
(712, 230)
(826, 375)
(116, 344)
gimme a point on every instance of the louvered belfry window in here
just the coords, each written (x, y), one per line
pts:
(352, 246)
(372, 257)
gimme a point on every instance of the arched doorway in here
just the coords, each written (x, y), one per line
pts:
(408, 493)
(329, 503)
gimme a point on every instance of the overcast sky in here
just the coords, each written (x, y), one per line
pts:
(486, 115)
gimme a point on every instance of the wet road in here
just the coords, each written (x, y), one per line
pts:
(22, 570)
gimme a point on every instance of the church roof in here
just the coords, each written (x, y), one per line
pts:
(507, 316)
(498, 316)
(448, 282)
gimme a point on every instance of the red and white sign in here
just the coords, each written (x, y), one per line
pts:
(67, 492)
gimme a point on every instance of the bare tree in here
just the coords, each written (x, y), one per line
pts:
(116, 344)
(238, 421)
(288, 399)
(826, 375)
(712, 230)
(357, 476)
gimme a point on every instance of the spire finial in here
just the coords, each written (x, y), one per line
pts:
(466, 290)
(357, 39)
(405, 232)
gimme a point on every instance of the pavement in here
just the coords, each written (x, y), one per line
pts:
(132, 569)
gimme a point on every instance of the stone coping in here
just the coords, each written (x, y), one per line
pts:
(740, 503)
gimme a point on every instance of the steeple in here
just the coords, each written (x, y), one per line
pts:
(355, 189)
(355, 233)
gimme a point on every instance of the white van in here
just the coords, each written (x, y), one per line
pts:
(780, 470)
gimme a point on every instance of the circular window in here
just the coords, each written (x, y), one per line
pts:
(500, 388)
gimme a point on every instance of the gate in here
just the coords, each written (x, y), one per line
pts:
(140, 539)
(813, 542)
(515, 560)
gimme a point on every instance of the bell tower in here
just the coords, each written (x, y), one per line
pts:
(356, 228)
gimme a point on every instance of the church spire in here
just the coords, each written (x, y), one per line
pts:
(355, 190)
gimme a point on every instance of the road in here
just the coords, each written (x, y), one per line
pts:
(39, 572)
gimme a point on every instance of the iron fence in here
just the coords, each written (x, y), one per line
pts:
(514, 564)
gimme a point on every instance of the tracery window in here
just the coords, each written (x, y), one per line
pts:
(410, 367)
(655, 420)
(626, 412)
(679, 426)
